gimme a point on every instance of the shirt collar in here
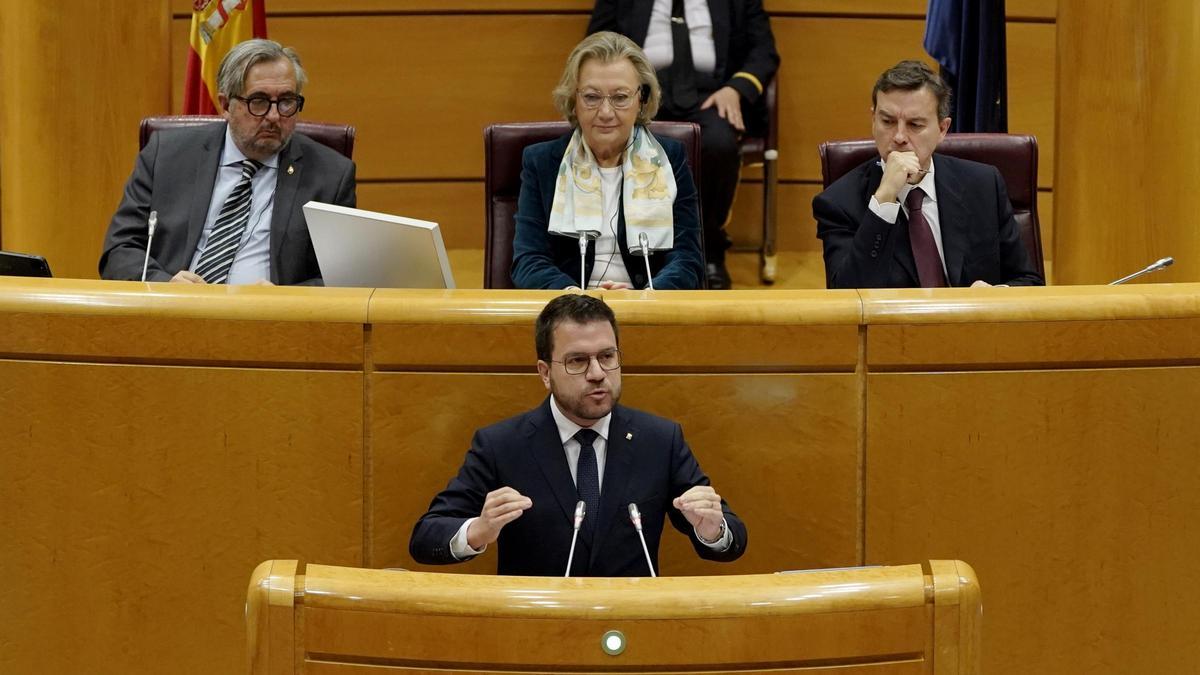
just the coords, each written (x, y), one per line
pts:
(567, 428)
(231, 155)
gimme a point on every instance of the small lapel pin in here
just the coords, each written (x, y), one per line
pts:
(291, 169)
(629, 436)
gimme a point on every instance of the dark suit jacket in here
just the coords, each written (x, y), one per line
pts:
(980, 237)
(741, 35)
(175, 174)
(648, 462)
(545, 260)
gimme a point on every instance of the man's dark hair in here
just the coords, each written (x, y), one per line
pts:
(571, 307)
(911, 76)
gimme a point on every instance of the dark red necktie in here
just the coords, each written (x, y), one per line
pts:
(925, 253)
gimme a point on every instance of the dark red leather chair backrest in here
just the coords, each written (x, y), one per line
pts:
(339, 137)
(503, 145)
(1014, 155)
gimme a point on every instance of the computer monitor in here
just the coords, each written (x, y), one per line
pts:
(377, 250)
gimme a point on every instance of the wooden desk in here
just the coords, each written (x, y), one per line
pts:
(328, 620)
(156, 442)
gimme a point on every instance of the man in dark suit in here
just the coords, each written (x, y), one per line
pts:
(229, 196)
(714, 58)
(523, 477)
(922, 219)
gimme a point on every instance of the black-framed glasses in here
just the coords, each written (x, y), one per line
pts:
(259, 106)
(578, 364)
(622, 100)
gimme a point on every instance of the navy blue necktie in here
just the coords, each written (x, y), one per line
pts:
(587, 480)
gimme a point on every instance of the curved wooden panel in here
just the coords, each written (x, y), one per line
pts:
(761, 330)
(959, 329)
(1080, 303)
(270, 629)
(134, 322)
(863, 620)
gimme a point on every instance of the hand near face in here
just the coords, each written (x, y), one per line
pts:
(729, 106)
(901, 168)
(500, 508)
(701, 505)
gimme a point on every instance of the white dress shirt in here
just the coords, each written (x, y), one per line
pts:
(660, 48)
(252, 262)
(890, 211)
(608, 265)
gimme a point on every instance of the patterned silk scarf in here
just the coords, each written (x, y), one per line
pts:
(647, 198)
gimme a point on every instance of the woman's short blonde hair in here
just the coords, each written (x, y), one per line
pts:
(606, 47)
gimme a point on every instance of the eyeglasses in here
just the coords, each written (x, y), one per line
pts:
(621, 100)
(259, 106)
(578, 364)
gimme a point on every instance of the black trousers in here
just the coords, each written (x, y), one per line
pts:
(719, 167)
(719, 162)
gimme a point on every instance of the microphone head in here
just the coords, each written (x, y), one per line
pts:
(635, 515)
(1166, 262)
(580, 510)
(153, 223)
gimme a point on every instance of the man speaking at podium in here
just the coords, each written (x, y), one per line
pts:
(523, 479)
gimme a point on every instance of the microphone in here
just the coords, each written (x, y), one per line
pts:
(1161, 263)
(584, 237)
(635, 517)
(580, 508)
(151, 225)
(643, 250)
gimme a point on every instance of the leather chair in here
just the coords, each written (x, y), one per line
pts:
(764, 151)
(1015, 155)
(503, 145)
(339, 137)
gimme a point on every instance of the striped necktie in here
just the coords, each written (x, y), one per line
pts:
(226, 235)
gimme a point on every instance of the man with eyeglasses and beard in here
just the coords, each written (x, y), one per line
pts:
(229, 196)
(523, 477)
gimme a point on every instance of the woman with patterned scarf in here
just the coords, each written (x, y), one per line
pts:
(625, 189)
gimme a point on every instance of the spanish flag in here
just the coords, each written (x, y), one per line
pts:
(217, 25)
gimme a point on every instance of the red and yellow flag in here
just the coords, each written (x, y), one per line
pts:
(217, 25)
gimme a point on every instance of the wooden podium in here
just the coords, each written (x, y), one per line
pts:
(325, 620)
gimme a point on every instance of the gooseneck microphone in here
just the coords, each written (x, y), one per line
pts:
(584, 237)
(644, 250)
(635, 517)
(151, 225)
(580, 508)
(1161, 263)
